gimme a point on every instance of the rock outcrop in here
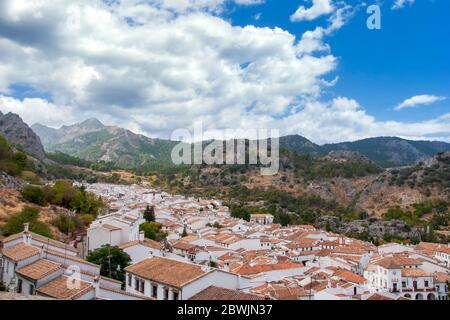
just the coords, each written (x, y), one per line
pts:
(19, 134)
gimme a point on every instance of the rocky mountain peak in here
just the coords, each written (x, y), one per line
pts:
(18, 133)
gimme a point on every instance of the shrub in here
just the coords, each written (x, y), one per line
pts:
(34, 195)
(28, 215)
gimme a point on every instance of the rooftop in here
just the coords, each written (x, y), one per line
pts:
(20, 251)
(59, 289)
(222, 294)
(167, 271)
(39, 269)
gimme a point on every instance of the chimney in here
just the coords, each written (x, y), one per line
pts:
(26, 235)
(97, 286)
(141, 236)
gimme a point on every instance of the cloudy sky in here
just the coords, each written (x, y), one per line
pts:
(305, 67)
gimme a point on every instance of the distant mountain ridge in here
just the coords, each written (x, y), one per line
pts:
(91, 140)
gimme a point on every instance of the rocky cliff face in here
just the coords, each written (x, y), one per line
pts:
(19, 134)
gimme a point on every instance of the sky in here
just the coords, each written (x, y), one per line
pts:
(307, 67)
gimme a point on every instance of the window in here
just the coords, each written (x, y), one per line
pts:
(31, 289)
(426, 283)
(142, 286)
(136, 284)
(175, 296)
(7, 266)
(155, 291)
(129, 279)
(403, 284)
(19, 286)
(166, 294)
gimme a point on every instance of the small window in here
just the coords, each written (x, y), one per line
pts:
(142, 287)
(426, 283)
(130, 277)
(166, 294)
(175, 296)
(19, 286)
(154, 291)
(31, 290)
(136, 284)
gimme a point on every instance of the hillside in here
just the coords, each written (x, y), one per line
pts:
(391, 151)
(92, 141)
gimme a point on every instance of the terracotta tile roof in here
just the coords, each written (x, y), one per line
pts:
(397, 262)
(415, 273)
(167, 271)
(350, 276)
(146, 242)
(222, 294)
(20, 251)
(39, 269)
(377, 296)
(59, 289)
(441, 277)
(247, 269)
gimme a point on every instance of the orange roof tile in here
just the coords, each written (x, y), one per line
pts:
(167, 271)
(39, 269)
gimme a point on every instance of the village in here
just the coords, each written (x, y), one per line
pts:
(209, 255)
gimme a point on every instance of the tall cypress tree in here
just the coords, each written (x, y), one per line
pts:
(149, 214)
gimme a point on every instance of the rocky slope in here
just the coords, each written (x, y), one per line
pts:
(19, 134)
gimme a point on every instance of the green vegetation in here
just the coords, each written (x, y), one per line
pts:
(11, 162)
(152, 230)
(65, 223)
(35, 195)
(311, 168)
(112, 261)
(429, 216)
(28, 215)
(66, 159)
(420, 176)
(2, 286)
(149, 214)
(286, 207)
(65, 195)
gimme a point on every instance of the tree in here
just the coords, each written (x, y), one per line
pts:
(112, 261)
(149, 214)
(34, 195)
(152, 230)
(184, 234)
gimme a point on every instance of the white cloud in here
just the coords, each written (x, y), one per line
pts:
(415, 101)
(156, 66)
(318, 9)
(399, 4)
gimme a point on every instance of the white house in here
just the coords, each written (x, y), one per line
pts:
(161, 278)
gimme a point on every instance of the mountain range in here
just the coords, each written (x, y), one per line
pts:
(92, 140)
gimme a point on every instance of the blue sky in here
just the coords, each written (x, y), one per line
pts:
(410, 55)
(310, 67)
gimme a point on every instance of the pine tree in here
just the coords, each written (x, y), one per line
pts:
(149, 214)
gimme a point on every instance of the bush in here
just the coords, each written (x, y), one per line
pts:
(34, 195)
(152, 230)
(64, 223)
(28, 215)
